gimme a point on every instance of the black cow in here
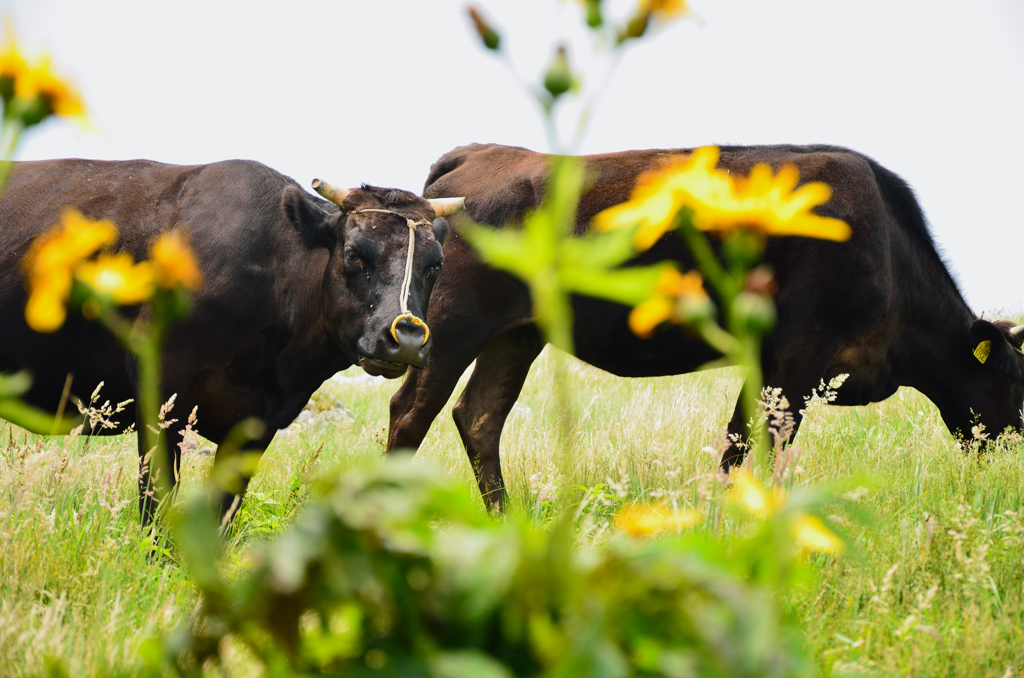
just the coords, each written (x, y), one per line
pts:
(296, 288)
(881, 307)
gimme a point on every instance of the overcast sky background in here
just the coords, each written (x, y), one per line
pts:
(375, 91)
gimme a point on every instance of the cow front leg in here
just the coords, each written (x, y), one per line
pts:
(482, 409)
(425, 391)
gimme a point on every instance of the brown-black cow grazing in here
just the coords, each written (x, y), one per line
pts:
(881, 307)
(296, 288)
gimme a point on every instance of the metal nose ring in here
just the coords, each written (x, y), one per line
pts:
(415, 321)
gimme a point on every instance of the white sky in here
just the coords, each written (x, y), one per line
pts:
(375, 91)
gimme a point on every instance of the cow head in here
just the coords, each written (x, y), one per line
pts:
(993, 391)
(385, 254)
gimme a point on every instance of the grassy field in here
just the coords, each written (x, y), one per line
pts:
(933, 582)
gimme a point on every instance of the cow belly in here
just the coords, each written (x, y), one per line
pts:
(870, 375)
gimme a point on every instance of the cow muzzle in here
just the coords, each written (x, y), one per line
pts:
(410, 335)
(404, 342)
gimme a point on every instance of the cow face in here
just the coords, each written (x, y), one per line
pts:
(385, 254)
(993, 391)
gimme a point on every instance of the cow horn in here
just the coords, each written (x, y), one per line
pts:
(445, 206)
(332, 193)
(1017, 335)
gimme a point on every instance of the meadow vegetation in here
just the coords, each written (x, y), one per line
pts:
(932, 581)
(928, 579)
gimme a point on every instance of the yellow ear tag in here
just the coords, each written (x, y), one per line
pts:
(982, 350)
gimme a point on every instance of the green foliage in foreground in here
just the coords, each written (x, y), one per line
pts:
(933, 585)
(394, 571)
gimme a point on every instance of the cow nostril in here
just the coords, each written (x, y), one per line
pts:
(407, 328)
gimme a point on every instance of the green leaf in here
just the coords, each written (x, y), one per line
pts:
(198, 538)
(34, 419)
(467, 664)
(503, 249)
(629, 286)
(15, 384)
(600, 250)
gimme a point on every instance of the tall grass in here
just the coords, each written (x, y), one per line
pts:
(933, 583)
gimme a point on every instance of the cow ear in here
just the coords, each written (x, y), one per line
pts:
(990, 347)
(440, 229)
(314, 225)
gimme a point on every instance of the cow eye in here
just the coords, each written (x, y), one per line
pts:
(352, 257)
(435, 269)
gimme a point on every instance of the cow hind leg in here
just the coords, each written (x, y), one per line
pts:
(795, 373)
(482, 409)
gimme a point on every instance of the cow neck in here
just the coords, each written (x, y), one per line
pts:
(407, 278)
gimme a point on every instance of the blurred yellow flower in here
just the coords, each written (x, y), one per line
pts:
(12, 62)
(665, 9)
(73, 239)
(674, 284)
(812, 535)
(118, 276)
(670, 288)
(753, 496)
(175, 262)
(50, 263)
(641, 520)
(39, 81)
(31, 90)
(764, 201)
(644, 318)
(44, 310)
(809, 533)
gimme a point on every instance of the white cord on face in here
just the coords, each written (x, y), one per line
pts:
(407, 278)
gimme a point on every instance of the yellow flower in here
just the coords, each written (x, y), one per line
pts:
(671, 287)
(59, 96)
(812, 535)
(809, 533)
(639, 520)
(118, 276)
(73, 239)
(674, 284)
(12, 62)
(44, 310)
(31, 90)
(50, 262)
(753, 496)
(175, 262)
(644, 318)
(765, 201)
(665, 9)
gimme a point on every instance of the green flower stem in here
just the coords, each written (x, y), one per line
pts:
(707, 262)
(720, 340)
(10, 135)
(737, 343)
(145, 340)
(751, 396)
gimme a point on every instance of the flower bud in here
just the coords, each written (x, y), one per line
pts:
(755, 311)
(761, 281)
(488, 35)
(593, 10)
(30, 111)
(744, 247)
(636, 26)
(558, 79)
(693, 309)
